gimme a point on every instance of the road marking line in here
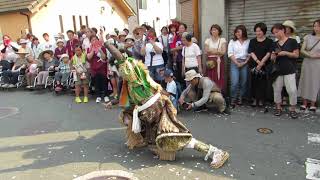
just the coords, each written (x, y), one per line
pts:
(313, 169)
(313, 138)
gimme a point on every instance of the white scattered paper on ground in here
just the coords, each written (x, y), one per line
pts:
(313, 169)
(313, 138)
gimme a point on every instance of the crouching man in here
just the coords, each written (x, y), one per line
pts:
(201, 94)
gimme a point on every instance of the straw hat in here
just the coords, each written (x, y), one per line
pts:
(129, 36)
(46, 51)
(23, 41)
(22, 51)
(64, 56)
(290, 24)
(139, 28)
(122, 33)
(191, 74)
(60, 41)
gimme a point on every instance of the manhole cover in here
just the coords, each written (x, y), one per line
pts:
(264, 130)
(8, 111)
(108, 175)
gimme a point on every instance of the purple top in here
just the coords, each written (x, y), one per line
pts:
(58, 52)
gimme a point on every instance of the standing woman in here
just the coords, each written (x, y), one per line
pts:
(285, 52)
(8, 51)
(177, 62)
(215, 48)
(152, 51)
(238, 53)
(163, 39)
(260, 51)
(97, 57)
(309, 81)
(191, 55)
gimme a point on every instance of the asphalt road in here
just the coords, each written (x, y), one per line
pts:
(44, 136)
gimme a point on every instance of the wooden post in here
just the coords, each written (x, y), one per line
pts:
(74, 23)
(61, 24)
(195, 9)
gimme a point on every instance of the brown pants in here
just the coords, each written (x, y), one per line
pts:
(216, 100)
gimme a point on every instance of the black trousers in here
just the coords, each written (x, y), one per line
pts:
(100, 84)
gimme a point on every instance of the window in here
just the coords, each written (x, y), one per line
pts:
(61, 24)
(142, 4)
(74, 23)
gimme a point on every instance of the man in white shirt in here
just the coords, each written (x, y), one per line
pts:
(47, 45)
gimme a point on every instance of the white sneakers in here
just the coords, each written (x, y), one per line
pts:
(8, 86)
(106, 99)
(98, 100)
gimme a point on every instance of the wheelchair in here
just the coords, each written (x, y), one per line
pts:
(22, 81)
(49, 80)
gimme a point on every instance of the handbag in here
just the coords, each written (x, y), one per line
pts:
(212, 61)
(274, 70)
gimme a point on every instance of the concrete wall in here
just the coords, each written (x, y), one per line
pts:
(13, 24)
(212, 12)
(47, 18)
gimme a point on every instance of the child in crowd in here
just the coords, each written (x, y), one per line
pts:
(80, 70)
(31, 72)
(171, 88)
(62, 72)
(172, 38)
(49, 64)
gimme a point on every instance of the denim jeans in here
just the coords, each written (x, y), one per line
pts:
(239, 78)
(10, 77)
(154, 72)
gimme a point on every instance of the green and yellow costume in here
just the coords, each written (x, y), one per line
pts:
(160, 128)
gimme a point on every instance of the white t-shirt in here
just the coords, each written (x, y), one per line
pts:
(172, 89)
(48, 46)
(240, 51)
(190, 55)
(157, 58)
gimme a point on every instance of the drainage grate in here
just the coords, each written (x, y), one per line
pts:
(264, 130)
(108, 175)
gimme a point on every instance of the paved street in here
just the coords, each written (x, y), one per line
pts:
(49, 137)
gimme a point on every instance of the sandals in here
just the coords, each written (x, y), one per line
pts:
(219, 159)
(313, 109)
(277, 112)
(293, 114)
(303, 108)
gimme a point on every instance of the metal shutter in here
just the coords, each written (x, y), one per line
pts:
(250, 12)
(187, 14)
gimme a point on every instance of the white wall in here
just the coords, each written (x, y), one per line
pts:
(47, 19)
(212, 12)
(164, 9)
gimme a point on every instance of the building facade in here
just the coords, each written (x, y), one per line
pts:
(57, 16)
(230, 13)
(156, 13)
